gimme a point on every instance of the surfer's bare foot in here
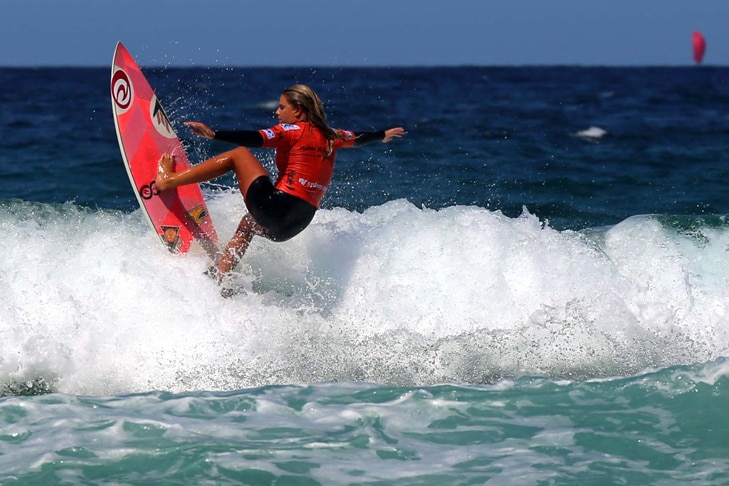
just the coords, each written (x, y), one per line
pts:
(164, 172)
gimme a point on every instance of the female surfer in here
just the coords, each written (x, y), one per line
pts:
(305, 150)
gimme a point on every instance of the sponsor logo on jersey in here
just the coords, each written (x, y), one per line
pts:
(269, 134)
(288, 127)
(312, 185)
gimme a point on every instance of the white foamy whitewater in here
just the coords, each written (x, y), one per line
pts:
(395, 295)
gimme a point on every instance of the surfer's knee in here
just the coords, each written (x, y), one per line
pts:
(243, 157)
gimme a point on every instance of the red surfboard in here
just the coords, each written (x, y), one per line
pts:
(179, 216)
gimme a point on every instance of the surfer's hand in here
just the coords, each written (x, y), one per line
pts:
(201, 129)
(392, 133)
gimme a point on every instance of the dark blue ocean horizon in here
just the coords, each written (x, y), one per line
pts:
(494, 137)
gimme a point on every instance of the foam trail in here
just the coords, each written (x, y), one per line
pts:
(397, 295)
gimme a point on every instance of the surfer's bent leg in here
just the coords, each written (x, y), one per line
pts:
(246, 166)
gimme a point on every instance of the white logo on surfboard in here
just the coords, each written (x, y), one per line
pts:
(159, 118)
(121, 91)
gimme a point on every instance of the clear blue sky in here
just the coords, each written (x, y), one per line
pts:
(362, 33)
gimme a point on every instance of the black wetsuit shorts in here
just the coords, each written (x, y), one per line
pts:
(282, 215)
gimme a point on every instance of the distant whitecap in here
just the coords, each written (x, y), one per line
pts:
(592, 133)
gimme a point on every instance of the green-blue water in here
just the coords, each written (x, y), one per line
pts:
(661, 427)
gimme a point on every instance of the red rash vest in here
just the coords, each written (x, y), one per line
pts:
(304, 169)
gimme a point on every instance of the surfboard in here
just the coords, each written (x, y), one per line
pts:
(179, 216)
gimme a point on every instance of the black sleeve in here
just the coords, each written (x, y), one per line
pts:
(246, 138)
(364, 138)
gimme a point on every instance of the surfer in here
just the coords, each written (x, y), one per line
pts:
(305, 150)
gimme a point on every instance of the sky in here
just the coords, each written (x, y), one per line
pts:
(230, 33)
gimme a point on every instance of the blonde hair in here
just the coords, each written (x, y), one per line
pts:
(303, 97)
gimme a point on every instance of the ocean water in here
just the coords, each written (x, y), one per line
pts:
(531, 288)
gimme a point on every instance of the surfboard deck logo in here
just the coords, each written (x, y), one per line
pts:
(121, 91)
(144, 131)
(160, 120)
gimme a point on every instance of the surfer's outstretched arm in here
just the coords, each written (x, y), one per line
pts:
(244, 138)
(201, 129)
(396, 132)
